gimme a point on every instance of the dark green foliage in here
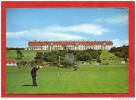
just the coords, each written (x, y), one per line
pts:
(53, 56)
(121, 52)
(22, 63)
(39, 56)
(19, 54)
(99, 60)
(15, 48)
(84, 56)
(88, 55)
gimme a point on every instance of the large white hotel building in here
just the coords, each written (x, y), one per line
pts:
(71, 45)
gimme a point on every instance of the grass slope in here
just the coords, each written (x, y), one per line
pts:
(109, 58)
(28, 54)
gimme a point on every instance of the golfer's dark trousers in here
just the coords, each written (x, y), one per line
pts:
(34, 80)
(33, 74)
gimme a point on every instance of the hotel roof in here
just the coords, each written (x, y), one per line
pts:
(43, 43)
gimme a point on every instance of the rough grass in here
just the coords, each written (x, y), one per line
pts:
(28, 54)
(88, 79)
(109, 58)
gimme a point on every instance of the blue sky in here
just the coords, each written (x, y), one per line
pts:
(27, 24)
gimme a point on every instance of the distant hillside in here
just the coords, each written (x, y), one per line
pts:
(106, 57)
(28, 54)
(109, 58)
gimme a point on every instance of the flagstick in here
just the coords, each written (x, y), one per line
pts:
(58, 69)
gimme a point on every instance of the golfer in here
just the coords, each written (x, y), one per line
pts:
(33, 73)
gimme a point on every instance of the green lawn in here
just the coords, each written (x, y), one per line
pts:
(109, 58)
(28, 54)
(88, 79)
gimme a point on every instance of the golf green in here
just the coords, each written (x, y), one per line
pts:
(87, 79)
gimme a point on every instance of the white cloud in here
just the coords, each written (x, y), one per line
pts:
(53, 36)
(74, 32)
(39, 34)
(120, 19)
(16, 34)
(116, 19)
(118, 42)
(82, 28)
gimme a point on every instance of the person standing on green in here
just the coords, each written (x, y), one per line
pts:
(34, 73)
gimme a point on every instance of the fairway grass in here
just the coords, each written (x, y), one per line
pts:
(53, 80)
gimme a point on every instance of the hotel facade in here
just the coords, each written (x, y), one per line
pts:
(71, 45)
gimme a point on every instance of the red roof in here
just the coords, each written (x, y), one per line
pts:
(43, 43)
(10, 60)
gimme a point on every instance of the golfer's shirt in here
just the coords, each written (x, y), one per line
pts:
(33, 71)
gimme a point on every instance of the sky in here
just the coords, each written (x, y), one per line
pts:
(54, 24)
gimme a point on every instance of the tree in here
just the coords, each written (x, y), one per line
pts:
(19, 54)
(98, 60)
(95, 54)
(121, 52)
(39, 57)
(83, 56)
(70, 61)
(50, 56)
